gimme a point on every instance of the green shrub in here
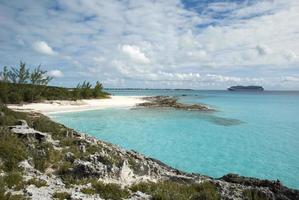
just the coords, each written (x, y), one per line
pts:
(62, 195)
(37, 182)
(9, 196)
(110, 191)
(10, 117)
(65, 173)
(44, 124)
(89, 191)
(206, 191)
(170, 190)
(13, 179)
(14, 93)
(253, 194)
(41, 155)
(12, 151)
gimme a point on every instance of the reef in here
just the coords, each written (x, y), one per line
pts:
(171, 102)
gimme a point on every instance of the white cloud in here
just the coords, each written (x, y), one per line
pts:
(291, 78)
(197, 55)
(290, 55)
(55, 73)
(43, 47)
(135, 54)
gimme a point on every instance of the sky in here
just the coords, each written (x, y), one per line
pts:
(197, 44)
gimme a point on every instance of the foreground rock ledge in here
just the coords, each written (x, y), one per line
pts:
(171, 102)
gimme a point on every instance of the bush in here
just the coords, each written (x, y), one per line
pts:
(252, 194)
(14, 93)
(44, 124)
(12, 151)
(13, 179)
(110, 191)
(62, 195)
(37, 182)
(41, 155)
(89, 191)
(10, 117)
(169, 190)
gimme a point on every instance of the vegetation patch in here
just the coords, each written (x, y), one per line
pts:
(62, 196)
(12, 150)
(253, 194)
(89, 191)
(19, 84)
(37, 182)
(110, 190)
(169, 190)
(13, 179)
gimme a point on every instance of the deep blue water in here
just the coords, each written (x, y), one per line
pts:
(252, 134)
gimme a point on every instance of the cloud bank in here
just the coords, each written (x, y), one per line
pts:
(170, 43)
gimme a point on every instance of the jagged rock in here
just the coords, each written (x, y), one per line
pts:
(2, 114)
(140, 196)
(82, 148)
(69, 156)
(88, 169)
(22, 129)
(171, 102)
(280, 191)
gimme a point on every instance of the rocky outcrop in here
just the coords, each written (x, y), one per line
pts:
(279, 191)
(23, 130)
(171, 102)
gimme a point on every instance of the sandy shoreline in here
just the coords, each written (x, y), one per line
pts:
(61, 106)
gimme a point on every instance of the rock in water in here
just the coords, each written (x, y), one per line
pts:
(171, 102)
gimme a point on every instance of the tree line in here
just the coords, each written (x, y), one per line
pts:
(21, 85)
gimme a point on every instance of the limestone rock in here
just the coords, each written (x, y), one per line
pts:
(88, 169)
(171, 102)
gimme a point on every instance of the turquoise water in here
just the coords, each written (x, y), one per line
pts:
(252, 134)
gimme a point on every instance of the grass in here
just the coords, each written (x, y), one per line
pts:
(9, 196)
(253, 194)
(12, 150)
(109, 191)
(44, 155)
(89, 191)
(61, 195)
(37, 182)
(10, 117)
(169, 190)
(13, 179)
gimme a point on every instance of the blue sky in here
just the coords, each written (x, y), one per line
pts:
(199, 44)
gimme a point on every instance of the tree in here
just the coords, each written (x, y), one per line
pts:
(39, 77)
(20, 75)
(4, 75)
(97, 89)
(86, 89)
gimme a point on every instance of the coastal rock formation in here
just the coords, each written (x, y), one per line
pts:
(278, 190)
(171, 102)
(24, 130)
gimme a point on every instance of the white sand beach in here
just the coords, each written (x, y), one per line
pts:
(59, 106)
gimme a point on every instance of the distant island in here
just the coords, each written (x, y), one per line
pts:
(246, 88)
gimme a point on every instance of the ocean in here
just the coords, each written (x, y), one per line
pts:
(253, 134)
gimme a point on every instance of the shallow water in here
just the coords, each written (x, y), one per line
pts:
(252, 134)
